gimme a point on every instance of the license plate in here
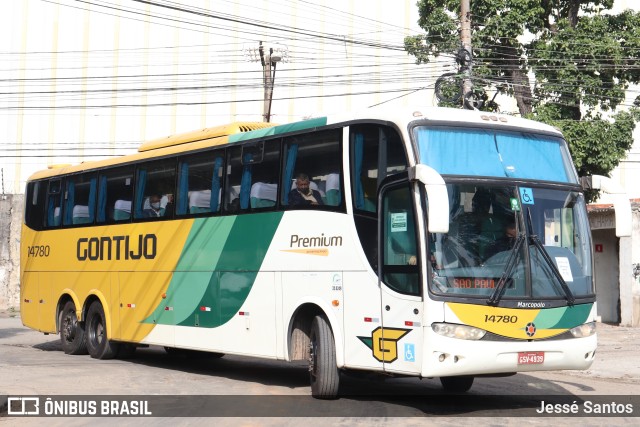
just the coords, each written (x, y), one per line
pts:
(530, 357)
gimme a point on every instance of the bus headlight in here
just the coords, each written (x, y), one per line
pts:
(462, 332)
(585, 330)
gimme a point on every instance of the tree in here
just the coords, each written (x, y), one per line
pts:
(582, 57)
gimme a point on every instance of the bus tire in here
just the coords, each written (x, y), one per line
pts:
(72, 334)
(458, 384)
(96, 329)
(323, 370)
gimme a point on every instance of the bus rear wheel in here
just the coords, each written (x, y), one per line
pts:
(325, 378)
(96, 328)
(72, 335)
(459, 384)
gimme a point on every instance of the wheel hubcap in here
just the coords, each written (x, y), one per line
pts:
(69, 327)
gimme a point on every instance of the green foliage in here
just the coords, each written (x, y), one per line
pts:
(583, 59)
(596, 144)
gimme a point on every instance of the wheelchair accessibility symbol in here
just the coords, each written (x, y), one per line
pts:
(526, 194)
(409, 353)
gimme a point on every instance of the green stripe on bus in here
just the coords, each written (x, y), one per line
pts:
(216, 270)
(277, 130)
(193, 271)
(562, 317)
(237, 268)
(573, 316)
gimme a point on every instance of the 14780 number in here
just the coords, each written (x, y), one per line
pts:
(500, 319)
(38, 251)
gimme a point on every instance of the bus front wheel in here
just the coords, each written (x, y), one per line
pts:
(72, 335)
(459, 384)
(96, 328)
(325, 378)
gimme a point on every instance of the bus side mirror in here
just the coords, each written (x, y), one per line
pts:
(621, 204)
(438, 203)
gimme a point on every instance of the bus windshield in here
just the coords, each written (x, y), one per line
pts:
(486, 221)
(492, 153)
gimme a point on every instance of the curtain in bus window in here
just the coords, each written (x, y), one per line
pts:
(102, 199)
(290, 165)
(359, 154)
(51, 211)
(460, 152)
(69, 202)
(182, 201)
(528, 156)
(215, 184)
(92, 199)
(245, 183)
(382, 155)
(140, 184)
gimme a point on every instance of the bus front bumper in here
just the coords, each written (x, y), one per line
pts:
(450, 356)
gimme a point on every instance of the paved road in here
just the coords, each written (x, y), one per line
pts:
(34, 364)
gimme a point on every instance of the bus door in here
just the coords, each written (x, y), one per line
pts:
(399, 340)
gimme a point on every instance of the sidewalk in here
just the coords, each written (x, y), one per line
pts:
(618, 354)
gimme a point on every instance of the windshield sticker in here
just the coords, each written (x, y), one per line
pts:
(526, 194)
(515, 205)
(564, 268)
(398, 222)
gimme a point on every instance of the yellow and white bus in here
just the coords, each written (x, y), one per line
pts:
(432, 243)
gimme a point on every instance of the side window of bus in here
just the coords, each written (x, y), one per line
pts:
(312, 169)
(53, 216)
(252, 176)
(376, 152)
(155, 189)
(115, 193)
(34, 207)
(199, 183)
(80, 199)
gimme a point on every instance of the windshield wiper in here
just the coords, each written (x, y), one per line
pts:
(545, 255)
(495, 297)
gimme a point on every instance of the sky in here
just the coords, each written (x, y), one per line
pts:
(87, 79)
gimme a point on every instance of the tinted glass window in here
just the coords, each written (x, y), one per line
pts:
(53, 216)
(252, 177)
(400, 267)
(312, 168)
(200, 183)
(115, 195)
(154, 189)
(34, 204)
(80, 199)
(376, 152)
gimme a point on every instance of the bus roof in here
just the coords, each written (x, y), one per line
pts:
(244, 131)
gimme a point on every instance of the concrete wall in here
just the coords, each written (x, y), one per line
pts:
(11, 209)
(618, 290)
(607, 274)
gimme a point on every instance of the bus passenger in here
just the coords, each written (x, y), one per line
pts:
(153, 211)
(303, 195)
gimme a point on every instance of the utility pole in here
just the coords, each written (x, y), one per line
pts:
(465, 38)
(268, 59)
